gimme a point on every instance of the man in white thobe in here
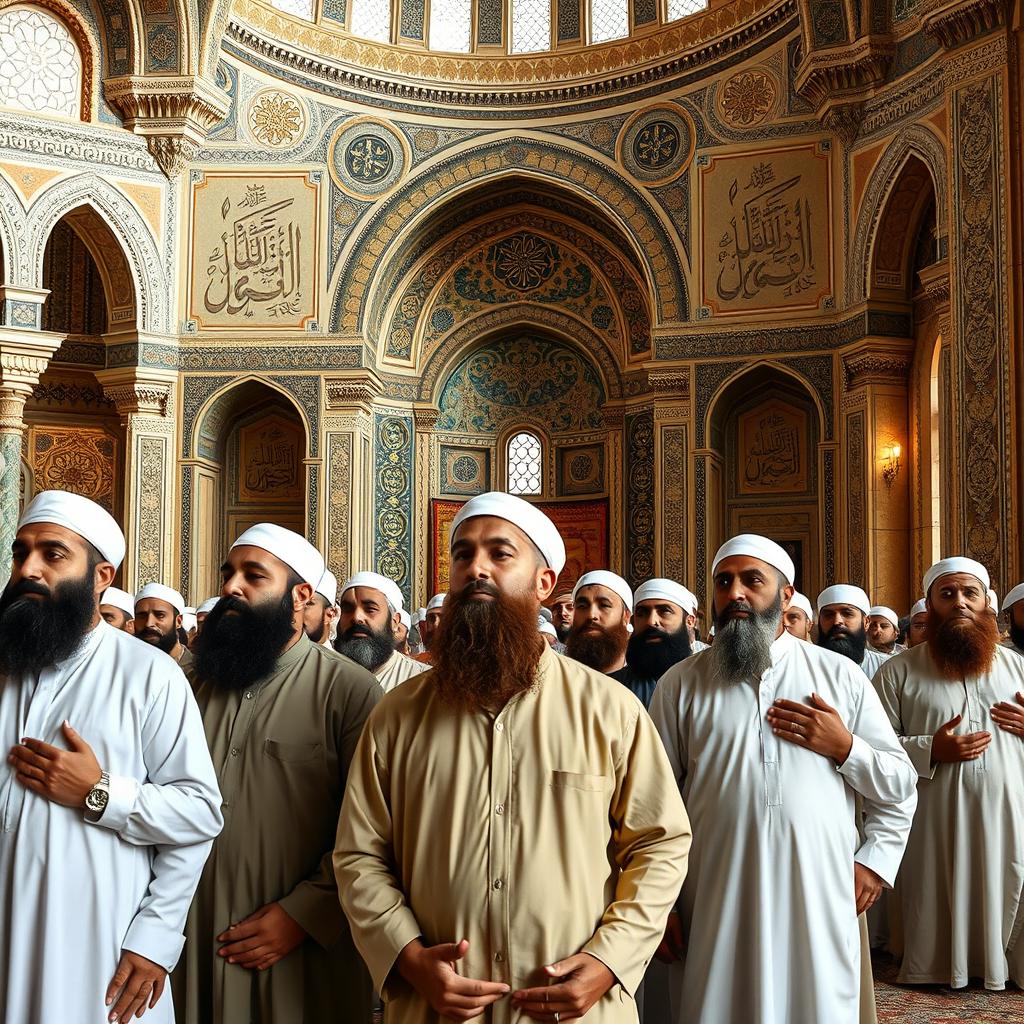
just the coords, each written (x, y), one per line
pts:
(957, 703)
(917, 628)
(798, 617)
(883, 629)
(1013, 605)
(117, 609)
(767, 930)
(842, 626)
(370, 609)
(110, 801)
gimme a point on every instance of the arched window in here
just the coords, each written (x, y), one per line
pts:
(531, 26)
(300, 8)
(371, 19)
(524, 464)
(450, 24)
(40, 64)
(609, 19)
(681, 8)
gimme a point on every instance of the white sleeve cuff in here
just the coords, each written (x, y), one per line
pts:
(154, 941)
(124, 792)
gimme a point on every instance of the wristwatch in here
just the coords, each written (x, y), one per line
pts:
(97, 797)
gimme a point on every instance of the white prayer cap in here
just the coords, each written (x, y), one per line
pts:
(545, 627)
(207, 606)
(374, 581)
(528, 518)
(405, 618)
(327, 588)
(417, 618)
(886, 613)
(920, 607)
(604, 578)
(80, 515)
(666, 590)
(800, 601)
(119, 599)
(844, 593)
(188, 620)
(759, 547)
(437, 601)
(295, 551)
(993, 600)
(545, 613)
(947, 566)
(159, 592)
(1015, 595)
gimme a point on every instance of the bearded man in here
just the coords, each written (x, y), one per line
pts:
(842, 626)
(956, 703)
(371, 606)
(659, 639)
(602, 604)
(561, 612)
(110, 799)
(511, 840)
(883, 630)
(117, 609)
(767, 928)
(428, 626)
(402, 632)
(158, 618)
(321, 613)
(798, 618)
(267, 940)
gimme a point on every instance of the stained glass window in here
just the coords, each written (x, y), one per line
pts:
(371, 19)
(40, 66)
(450, 23)
(681, 8)
(531, 25)
(524, 464)
(609, 19)
(300, 8)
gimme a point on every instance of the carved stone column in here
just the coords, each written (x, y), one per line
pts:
(145, 401)
(673, 433)
(875, 409)
(24, 355)
(428, 458)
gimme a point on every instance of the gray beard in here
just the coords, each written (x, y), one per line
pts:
(743, 647)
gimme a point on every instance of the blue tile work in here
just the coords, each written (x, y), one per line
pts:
(489, 22)
(335, 10)
(393, 437)
(412, 20)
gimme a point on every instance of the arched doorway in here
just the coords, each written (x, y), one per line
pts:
(764, 430)
(252, 445)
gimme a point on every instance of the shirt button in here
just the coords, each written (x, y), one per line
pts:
(498, 958)
(500, 809)
(500, 727)
(234, 751)
(248, 694)
(498, 883)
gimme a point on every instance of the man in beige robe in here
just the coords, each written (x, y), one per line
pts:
(370, 608)
(267, 939)
(957, 704)
(511, 840)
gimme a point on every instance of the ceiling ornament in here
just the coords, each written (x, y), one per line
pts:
(276, 119)
(367, 158)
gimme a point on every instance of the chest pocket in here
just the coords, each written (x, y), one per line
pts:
(293, 753)
(575, 780)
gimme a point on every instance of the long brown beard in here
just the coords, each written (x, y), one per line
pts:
(485, 652)
(962, 647)
(598, 650)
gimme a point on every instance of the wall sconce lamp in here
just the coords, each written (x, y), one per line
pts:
(891, 464)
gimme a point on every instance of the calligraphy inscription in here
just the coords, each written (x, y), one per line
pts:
(773, 444)
(254, 251)
(767, 235)
(270, 461)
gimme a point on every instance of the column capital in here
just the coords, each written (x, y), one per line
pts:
(137, 390)
(24, 355)
(356, 388)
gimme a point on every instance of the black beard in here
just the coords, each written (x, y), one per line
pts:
(317, 636)
(846, 642)
(652, 661)
(563, 633)
(37, 634)
(164, 641)
(370, 651)
(1017, 635)
(235, 652)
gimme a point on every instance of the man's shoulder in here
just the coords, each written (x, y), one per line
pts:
(342, 672)
(1009, 659)
(591, 687)
(138, 663)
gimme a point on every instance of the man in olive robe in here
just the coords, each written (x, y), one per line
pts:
(267, 939)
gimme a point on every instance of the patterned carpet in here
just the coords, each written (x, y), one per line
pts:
(933, 1004)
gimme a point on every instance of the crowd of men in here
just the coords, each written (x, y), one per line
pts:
(521, 802)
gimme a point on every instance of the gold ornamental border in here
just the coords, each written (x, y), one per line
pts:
(579, 64)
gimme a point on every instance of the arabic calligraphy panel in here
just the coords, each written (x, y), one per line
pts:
(255, 251)
(773, 450)
(767, 235)
(270, 460)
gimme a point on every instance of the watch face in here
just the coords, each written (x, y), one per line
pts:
(96, 800)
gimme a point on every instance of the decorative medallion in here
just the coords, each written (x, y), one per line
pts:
(580, 470)
(656, 145)
(367, 158)
(276, 119)
(524, 261)
(748, 98)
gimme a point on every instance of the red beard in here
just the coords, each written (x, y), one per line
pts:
(962, 647)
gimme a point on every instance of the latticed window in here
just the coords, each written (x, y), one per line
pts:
(40, 65)
(524, 463)
(300, 8)
(609, 19)
(531, 25)
(681, 8)
(371, 19)
(450, 24)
